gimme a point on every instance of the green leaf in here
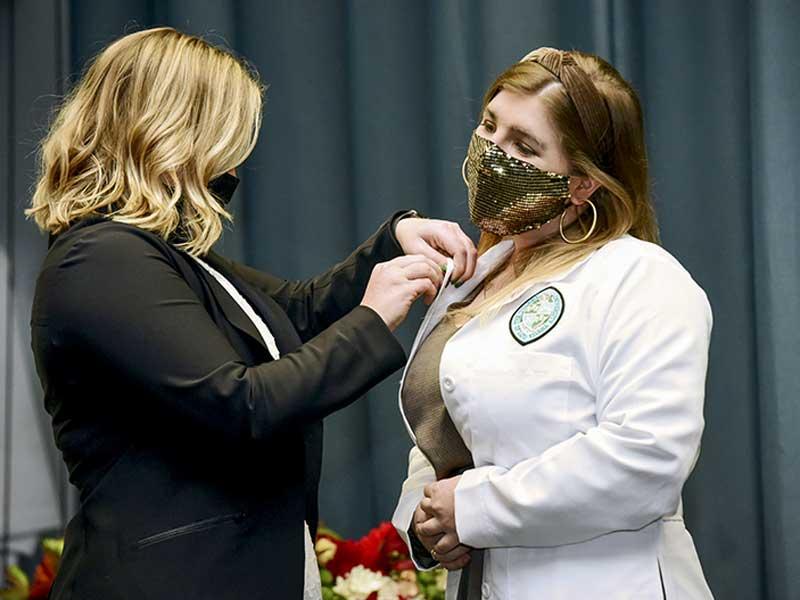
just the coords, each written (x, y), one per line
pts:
(326, 577)
(426, 577)
(54, 545)
(19, 586)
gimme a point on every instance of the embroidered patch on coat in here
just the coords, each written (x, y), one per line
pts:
(537, 316)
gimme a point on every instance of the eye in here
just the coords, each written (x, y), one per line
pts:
(488, 125)
(524, 149)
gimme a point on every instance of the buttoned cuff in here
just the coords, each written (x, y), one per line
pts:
(473, 525)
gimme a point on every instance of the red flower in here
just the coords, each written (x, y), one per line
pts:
(381, 550)
(44, 576)
(404, 565)
(347, 556)
(395, 550)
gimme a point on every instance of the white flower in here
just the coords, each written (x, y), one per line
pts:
(326, 550)
(407, 586)
(362, 582)
(389, 590)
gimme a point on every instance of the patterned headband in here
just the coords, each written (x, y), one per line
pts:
(588, 101)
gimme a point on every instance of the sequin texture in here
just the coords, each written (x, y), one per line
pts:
(508, 196)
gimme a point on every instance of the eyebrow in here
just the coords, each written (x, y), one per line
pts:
(519, 131)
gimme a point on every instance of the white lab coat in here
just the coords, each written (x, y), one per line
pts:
(582, 439)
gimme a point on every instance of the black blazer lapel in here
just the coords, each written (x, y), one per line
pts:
(286, 337)
(287, 340)
(232, 312)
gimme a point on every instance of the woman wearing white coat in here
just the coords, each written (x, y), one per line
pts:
(556, 397)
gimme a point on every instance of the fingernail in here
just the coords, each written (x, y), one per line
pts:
(443, 268)
(459, 284)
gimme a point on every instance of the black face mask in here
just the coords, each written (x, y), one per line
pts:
(223, 187)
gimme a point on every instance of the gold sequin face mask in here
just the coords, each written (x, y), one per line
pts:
(508, 196)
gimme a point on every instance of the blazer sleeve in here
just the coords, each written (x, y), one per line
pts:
(629, 469)
(119, 302)
(420, 474)
(312, 305)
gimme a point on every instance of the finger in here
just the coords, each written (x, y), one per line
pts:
(457, 564)
(429, 489)
(429, 541)
(406, 259)
(430, 528)
(464, 253)
(439, 266)
(419, 521)
(421, 267)
(423, 287)
(424, 269)
(472, 257)
(426, 504)
(409, 259)
(448, 543)
(431, 253)
(420, 516)
(450, 239)
(424, 514)
(460, 262)
(458, 552)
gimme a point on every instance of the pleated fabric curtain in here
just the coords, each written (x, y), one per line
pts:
(369, 109)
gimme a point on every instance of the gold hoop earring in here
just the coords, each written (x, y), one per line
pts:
(464, 172)
(591, 229)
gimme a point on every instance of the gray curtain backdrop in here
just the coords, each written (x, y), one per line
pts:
(369, 110)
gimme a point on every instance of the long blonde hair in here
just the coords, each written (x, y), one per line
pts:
(156, 115)
(623, 199)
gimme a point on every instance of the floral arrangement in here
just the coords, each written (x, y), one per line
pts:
(376, 567)
(19, 587)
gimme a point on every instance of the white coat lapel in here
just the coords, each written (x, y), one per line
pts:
(448, 295)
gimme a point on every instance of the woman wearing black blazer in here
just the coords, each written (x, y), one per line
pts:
(186, 391)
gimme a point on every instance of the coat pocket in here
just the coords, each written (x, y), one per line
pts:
(544, 364)
(208, 558)
(190, 528)
(522, 403)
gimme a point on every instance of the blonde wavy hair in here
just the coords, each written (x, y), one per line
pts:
(623, 199)
(156, 116)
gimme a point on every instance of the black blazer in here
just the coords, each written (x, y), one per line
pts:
(196, 455)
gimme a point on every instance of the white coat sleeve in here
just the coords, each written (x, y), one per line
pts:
(650, 352)
(420, 474)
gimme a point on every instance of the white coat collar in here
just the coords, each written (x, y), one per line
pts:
(448, 294)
